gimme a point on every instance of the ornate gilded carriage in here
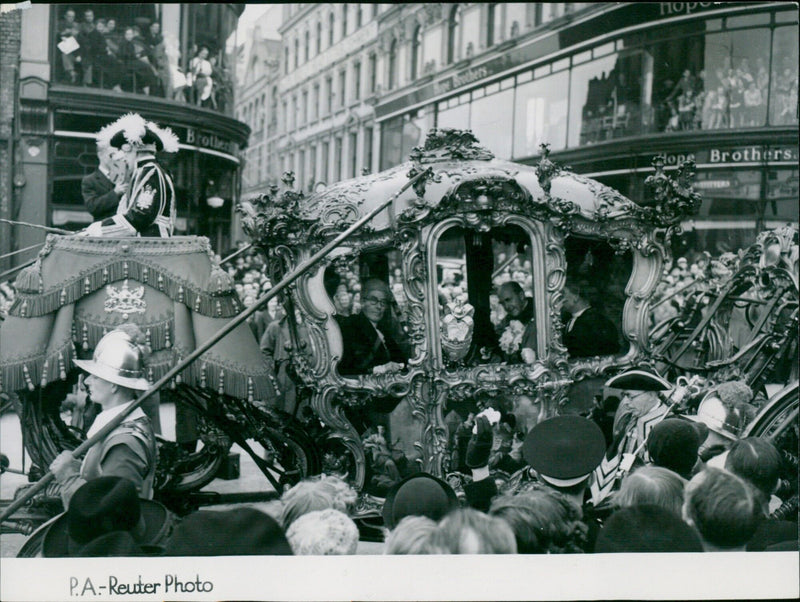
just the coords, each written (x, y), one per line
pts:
(468, 224)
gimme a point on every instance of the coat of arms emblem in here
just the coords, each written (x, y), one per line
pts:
(124, 300)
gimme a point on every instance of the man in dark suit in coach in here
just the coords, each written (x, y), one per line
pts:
(102, 189)
(588, 332)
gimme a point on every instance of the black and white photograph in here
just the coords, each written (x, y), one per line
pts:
(420, 284)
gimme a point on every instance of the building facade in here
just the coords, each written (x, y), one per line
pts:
(132, 57)
(331, 77)
(608, 86)
(256, 105)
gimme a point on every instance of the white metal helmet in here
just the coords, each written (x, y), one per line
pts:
(119, 360)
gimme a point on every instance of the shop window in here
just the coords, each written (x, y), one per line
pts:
(491, 119)
(368, 295)
(594, 298)
(485, 289)
(541, 115)
(608, 105)
(401, 134)
(783, 83)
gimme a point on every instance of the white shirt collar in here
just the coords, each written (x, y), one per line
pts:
(575, 316)
(104, 171)
(106, 416)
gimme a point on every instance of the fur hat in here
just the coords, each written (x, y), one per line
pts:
(420, 494)
(646, 528)
(100, 507)
(673, 443)
(323, 533)
(237, 532)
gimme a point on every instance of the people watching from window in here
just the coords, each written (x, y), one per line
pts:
(68, 30)
(201, 71)
(138, 74)
(92, 46)
(587, 332)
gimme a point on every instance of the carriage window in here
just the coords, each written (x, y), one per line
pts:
(594, 298)
(485, 293)
(370, 303)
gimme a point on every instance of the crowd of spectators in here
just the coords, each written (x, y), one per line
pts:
(716, 508)
(733, 95)
(137, 57)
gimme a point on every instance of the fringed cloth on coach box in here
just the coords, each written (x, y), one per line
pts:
(81, 288)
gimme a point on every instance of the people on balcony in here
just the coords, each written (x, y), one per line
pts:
(201, 71)
(68, 30)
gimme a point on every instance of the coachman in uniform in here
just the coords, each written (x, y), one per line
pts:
(148, 206)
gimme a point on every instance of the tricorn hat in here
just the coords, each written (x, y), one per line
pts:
(638, 380)
(99, 508)
(564, 450)
(133, 130)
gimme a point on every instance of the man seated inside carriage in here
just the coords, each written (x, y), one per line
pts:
(374, 342)
(147, 207)
(517, 330)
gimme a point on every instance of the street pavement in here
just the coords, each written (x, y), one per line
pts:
(251, 479)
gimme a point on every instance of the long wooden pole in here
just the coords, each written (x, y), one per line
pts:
(222, 332)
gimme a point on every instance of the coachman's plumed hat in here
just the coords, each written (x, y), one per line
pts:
(137, 133)
(564, 450)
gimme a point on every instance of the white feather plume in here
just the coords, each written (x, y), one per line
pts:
(132, 125)
(168, 138)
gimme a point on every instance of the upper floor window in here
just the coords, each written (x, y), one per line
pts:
(306, 44)
(375, 9)
(304, 108)
(331, 26)
(416, 44)
(392, 65)
(357, 80)
(315, 102)
(359, 15)
(373, 71)
(453, 33)
(342, 86)
(491, 12)
(319, 37)
(344, 20)
(329, 90)
(296, 53)
(286, 59)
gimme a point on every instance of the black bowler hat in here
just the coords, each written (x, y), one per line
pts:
(638, 380)
(420, 494)
(237, 532)
(564, 450)
(100, 507)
